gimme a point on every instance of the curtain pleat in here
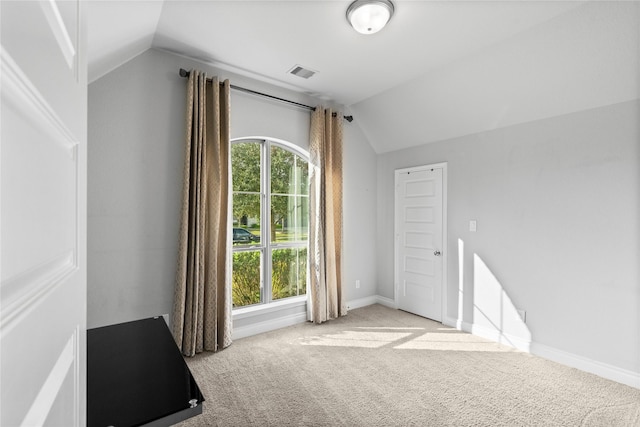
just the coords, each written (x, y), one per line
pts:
(327, 300)
(202, 297)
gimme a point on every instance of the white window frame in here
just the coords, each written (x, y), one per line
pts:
(266, 247)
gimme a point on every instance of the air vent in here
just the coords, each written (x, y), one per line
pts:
(300, 71)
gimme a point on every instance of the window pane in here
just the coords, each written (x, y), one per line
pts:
(246, 278)
(246, 219)
(289, 272)
(303, 180)
(245, 166)
(289, 218)
(289, 172)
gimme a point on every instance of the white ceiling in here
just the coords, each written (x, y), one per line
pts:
(267, 38)
(264, 39)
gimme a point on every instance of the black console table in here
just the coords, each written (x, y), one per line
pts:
(136, 376)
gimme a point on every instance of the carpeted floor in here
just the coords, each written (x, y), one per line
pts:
(383, 367)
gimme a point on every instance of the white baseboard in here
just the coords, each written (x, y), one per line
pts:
(374, 299)
(489, 334)
(293, 319)
(502, 338)
(603, 370)
(387, 302)
(456, 323)
(361, 302)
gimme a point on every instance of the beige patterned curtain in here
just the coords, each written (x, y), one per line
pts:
(327, 300)
(202, 299)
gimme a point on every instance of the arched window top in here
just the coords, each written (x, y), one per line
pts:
(275, 141)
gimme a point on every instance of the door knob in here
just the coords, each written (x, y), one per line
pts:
(437, 253)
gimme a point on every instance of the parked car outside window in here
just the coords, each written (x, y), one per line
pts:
(241, 235)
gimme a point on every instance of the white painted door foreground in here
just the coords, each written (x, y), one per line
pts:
(419, 241)
(42, 214)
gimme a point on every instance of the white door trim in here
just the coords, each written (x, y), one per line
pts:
(396, 226)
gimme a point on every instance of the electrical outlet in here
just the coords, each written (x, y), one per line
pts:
(358, 284)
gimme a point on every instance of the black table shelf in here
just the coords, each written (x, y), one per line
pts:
(136, 376)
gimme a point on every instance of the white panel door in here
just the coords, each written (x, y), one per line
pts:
(419, 241)
(42, 214)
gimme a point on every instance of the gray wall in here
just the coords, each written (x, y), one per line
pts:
(558, 214)
(134, 182)
(136, 143)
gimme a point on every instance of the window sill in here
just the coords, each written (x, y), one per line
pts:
(260, 309)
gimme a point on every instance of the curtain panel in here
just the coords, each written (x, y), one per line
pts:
(326, 293)
(202, 298)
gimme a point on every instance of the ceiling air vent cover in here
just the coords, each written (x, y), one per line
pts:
(300, 71)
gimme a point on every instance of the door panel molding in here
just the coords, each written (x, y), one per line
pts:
(66, 364)
(26, 100)
(23, 293)
(61, 33)
(24, 290)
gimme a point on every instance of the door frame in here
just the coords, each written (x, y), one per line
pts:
(396, 227)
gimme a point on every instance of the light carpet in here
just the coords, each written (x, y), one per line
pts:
(383, 367)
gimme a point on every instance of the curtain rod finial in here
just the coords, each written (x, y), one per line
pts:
(184, 73)
(348, 118)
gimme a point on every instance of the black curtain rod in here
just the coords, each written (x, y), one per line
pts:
(185, 73)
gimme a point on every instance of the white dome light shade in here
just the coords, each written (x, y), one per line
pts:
(369, 16)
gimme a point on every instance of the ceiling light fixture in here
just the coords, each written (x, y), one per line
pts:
(369, 16)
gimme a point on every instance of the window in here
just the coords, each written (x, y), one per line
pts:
(270, 182)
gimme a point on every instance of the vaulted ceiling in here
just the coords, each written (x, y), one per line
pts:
(440, 69)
